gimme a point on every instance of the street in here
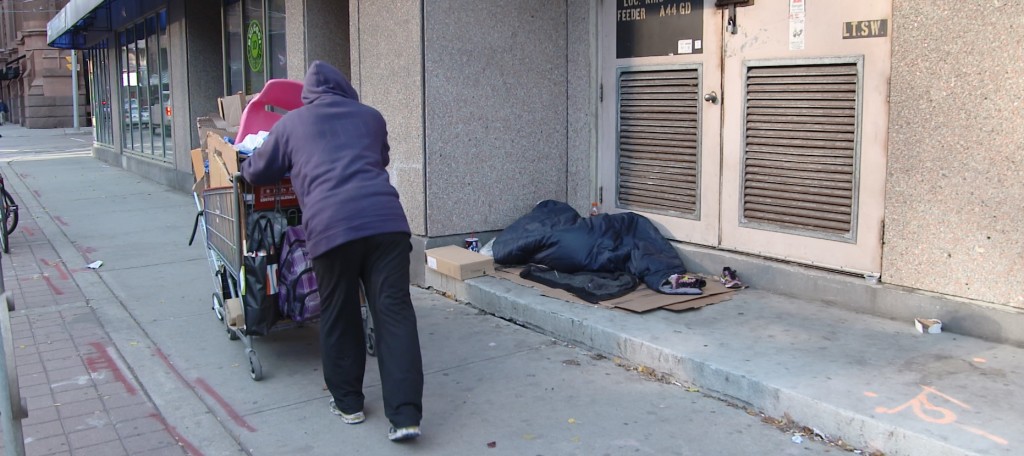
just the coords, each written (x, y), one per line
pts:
(492, 387)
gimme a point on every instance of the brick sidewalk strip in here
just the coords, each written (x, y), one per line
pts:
(82, 399)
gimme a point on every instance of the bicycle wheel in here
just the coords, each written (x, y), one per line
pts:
(10, 212)
(4, 239)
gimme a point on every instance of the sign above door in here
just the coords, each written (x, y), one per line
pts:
(648, 28)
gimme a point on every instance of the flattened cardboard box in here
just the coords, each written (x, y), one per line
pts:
(457, 262)
(215, 145)
(641, 300)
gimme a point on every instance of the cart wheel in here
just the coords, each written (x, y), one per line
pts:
(368, 332)
(255, 369)
(371, 343)
(218, 306)
(232, 334)
(218, 309)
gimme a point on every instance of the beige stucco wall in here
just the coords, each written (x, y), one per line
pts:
(495, 112)
(387, 70)
(955, 191)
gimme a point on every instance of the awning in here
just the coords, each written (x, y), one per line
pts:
(69, 28)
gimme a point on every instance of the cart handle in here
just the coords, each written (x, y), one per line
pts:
(195, 227)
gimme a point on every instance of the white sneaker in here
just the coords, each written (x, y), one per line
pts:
(353, 418)
(403, 433)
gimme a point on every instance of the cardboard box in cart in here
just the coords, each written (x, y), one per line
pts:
(459, 263)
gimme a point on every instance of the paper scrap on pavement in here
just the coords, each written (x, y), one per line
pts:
(95, 264)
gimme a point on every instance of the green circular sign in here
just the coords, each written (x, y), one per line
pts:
(254, 45)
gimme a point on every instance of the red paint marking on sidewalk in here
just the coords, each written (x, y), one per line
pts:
(102, 360)
(28, 231)
(85, 251)
(53, 287)
(63, 270)
(160, 354)
(232, 413)
(60, 220)
(189, 447)
(36, 192)
(59, 266)
(205, 387)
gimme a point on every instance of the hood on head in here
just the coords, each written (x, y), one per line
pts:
(322, 79)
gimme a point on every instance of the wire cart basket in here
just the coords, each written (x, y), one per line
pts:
(222, 212)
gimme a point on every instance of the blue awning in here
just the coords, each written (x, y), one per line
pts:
(70, 27)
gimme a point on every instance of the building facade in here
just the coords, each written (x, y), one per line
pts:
(852, 137)
(35, 79)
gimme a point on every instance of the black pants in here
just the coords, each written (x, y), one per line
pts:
(381, 264)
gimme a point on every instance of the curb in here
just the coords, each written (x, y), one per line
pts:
(572, 323)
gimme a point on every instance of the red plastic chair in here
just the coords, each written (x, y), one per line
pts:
(280, 93)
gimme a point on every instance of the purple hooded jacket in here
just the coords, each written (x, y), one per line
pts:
(336, 150)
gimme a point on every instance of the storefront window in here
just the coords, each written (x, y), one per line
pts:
(126, 41)
(255, 47)
(99, 91)
(277, 52)
(145, 88)
(164, 88)
(233, 46)
(254, 44)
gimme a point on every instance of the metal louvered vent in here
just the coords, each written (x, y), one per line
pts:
(799, 166)
(658, 141)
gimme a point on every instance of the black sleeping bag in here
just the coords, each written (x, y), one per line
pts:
(554, 235)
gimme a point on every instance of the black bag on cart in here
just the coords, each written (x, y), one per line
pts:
(259, 284)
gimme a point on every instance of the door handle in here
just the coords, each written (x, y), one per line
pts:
(711, 97)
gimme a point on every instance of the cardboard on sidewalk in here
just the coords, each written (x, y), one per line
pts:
(642, 299)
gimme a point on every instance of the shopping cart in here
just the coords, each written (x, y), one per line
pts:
(221, 219)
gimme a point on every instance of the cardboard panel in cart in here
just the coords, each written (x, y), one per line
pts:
(219, 175)
(231, 108)
(215, 145)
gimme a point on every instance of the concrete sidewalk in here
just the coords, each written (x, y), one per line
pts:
(875, 383)
(129, 358)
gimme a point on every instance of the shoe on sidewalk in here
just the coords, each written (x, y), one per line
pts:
(403, 433)
(348, 418)
(730, 279)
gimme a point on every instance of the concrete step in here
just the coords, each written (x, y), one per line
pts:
(873, 382)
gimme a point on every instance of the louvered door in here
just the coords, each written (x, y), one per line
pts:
(804, 136)
(769, 141)
(800, 130)
(659, 141)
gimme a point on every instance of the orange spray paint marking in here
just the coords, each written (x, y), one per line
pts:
(925, 410)
(994, 438)
(870, 394)
(980, 360)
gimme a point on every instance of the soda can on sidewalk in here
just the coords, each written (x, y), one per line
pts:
(473, 244)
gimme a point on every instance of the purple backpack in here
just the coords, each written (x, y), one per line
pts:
(297, 290)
